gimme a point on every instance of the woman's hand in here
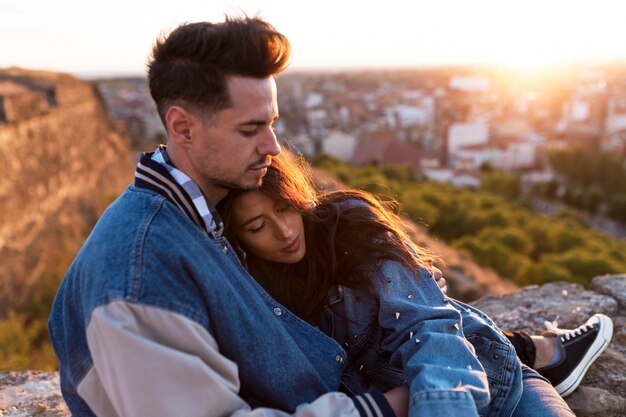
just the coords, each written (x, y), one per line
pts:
(438, 276)
(441, 281)
(398, 399)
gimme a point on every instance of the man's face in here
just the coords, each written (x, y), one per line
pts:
(234, 149)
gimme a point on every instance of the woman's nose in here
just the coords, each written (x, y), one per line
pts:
(284, 230)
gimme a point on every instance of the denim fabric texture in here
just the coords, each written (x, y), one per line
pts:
(144, 250)
(405, 331)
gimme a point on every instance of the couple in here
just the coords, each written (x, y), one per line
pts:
(158, 314)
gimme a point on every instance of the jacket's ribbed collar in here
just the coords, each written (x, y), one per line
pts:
(156, 172)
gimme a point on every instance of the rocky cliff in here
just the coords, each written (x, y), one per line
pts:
(61, 164)
(602, 392)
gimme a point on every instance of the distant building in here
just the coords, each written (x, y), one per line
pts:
(614, 139)
(302, 143)
(457, 177)
(470, 83)
(463, 134)
(509, 155)
(340, 145)
(393, 152)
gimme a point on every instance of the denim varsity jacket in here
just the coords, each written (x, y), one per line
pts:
(156, 318)
(404, 331)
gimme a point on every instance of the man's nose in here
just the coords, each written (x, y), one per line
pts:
(269, 144)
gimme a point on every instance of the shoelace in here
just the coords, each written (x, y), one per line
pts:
(567, 334)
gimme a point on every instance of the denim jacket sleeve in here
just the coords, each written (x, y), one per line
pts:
(144, 352)
(424, 335)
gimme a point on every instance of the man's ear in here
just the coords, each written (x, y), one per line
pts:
(179, 123)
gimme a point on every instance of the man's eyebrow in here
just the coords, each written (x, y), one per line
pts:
(254, 123)
(258, 122)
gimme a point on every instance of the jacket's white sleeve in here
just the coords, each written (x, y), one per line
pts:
(149, 361)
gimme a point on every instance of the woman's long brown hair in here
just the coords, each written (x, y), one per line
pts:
(347, 234)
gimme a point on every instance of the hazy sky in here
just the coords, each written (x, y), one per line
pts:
(115, 36)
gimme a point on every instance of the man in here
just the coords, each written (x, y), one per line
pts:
(157, 316)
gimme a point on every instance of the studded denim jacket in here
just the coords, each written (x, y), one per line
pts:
(405, 331)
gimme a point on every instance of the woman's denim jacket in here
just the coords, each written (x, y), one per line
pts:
(405, 331)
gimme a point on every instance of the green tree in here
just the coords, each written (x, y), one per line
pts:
(583, 265)
(418, 209)
(543, 272)
(617, 207)
(501, 183)
(514, 238)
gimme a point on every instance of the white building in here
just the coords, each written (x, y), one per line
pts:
(313, 100)
(517, 155)
(616, 115)
(340, 145)
(463, 134)
(476, 84)
(458, 178)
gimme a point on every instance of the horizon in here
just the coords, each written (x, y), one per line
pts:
(559, 70)
(116, 38)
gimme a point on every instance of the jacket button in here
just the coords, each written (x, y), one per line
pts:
(224, 249)
(339, 359)
(278, 311)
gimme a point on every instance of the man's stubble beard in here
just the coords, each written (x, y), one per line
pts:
(231, 185)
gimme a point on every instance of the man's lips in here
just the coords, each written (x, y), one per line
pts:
(293, 246)
(260, 167)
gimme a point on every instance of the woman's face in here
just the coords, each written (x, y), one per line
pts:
(270, 229)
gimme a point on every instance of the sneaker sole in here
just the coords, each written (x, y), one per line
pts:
(568, 386)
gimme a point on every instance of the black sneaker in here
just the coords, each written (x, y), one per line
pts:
(582, 346)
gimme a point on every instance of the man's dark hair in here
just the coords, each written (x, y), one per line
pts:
(189, 66)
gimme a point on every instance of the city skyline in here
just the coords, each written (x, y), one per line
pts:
(115, 38)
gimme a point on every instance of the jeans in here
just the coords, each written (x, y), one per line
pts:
(539, 398)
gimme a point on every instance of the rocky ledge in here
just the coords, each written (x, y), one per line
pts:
(601, 393)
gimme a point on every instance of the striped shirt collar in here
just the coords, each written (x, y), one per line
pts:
(155, 171)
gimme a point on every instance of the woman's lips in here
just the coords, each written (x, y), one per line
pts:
(293, 246)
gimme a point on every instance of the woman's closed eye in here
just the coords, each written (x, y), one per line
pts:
(256, 228)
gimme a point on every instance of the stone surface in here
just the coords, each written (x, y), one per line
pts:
(613, 285)
(603, 389)
(596, 402)
(25, 394)
(567, 304)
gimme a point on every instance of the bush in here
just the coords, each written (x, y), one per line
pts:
(583, 265)
(541, 273)
(501, 183)
(514, 238)
(418, 209)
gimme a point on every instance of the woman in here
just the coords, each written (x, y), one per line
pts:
(342, 262)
